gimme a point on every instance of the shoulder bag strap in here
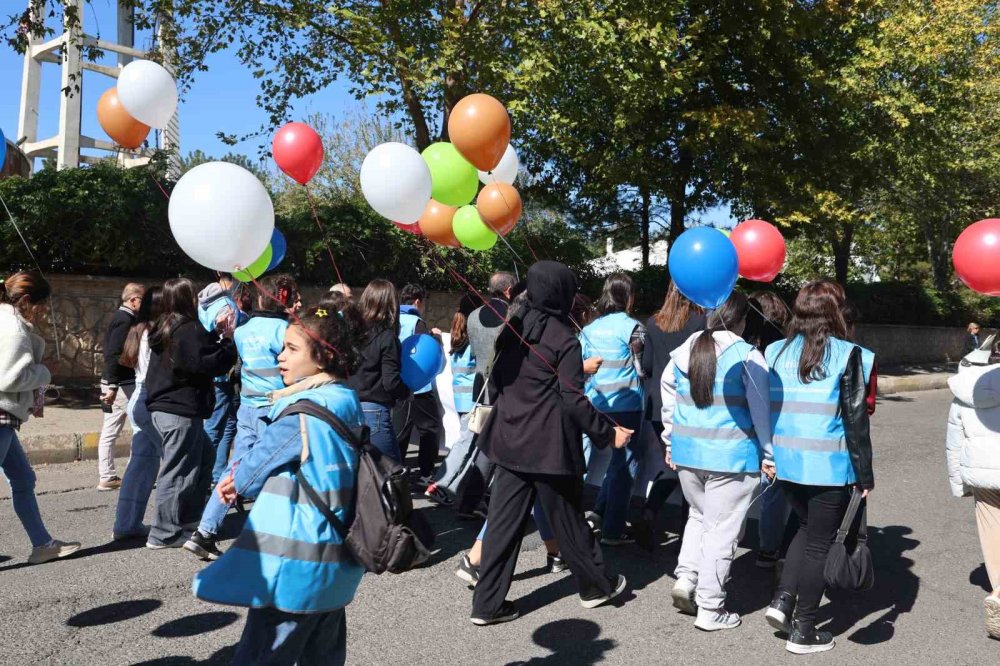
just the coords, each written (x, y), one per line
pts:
(852, 511)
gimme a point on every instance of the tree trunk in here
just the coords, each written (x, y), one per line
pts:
(841, 244)
(414, 108)
(938, 253)
(644, 228)
(678, 211)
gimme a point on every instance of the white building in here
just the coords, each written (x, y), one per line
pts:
(629, 259)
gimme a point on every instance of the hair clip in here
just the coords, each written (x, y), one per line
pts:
(321, 313)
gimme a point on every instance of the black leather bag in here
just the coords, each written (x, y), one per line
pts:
(851, 569)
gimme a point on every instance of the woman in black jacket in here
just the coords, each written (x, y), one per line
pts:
(377, 380)
(535, 438)
(184, 358)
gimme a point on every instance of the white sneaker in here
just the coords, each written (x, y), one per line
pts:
(713, 620)
(619, 587)
(991, 608)
(52, 550)
(683, 596)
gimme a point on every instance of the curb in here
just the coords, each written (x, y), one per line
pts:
(892, 385)
(71, 447)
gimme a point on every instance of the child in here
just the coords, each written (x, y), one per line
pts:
(289, 565)
(258, 342)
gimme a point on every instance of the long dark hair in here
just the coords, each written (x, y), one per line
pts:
(333, 341)
(817, 316)
(675, 312)
(149, 310)
(379, 306)
(766, 319)
(179, 303)
(459, 333)
(616, 295)
(701, 368)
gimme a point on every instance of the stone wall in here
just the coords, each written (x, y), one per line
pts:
(913, 344)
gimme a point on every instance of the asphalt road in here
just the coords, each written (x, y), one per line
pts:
(108, 605)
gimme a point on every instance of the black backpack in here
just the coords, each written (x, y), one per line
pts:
(386, 535)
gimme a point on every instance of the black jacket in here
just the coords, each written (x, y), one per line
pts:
(854, 411)
(656, 356)
(114, 342)
(377, 378)
(181, 382)
(539, 419)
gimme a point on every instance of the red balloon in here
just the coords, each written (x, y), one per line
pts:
(760, 248)
(408, 228)
(976, 256)
(298, 151)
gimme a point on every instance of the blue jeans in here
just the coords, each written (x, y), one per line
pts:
(143, 466)
(774, 512)
(21, 478)
(277, 638)
(383, 435)
(249, 429)
(541, 522)
(616, 490)
(221, 426)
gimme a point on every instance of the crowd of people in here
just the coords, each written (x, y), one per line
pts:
(750, 402)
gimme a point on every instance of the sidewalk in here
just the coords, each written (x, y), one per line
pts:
(905, 378)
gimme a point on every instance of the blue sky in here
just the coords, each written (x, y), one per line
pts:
(221, 99)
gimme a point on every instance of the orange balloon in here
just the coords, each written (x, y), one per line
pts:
(123, 129)
(435, 223)
(499, 205)
(479, 127)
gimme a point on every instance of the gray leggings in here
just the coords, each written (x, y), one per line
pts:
(184, 479)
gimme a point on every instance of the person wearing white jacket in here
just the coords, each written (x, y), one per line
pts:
(717, 432)
(973, 453)
(23, 378)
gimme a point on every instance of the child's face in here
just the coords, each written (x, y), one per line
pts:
(295, 361)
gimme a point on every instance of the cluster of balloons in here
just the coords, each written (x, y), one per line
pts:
(421, 360)
(704, 264)
(145, 97)
(976, 256)
(431, 193)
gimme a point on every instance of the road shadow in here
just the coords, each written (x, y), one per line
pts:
(893, 398)
(571, 642)
(979, 578)
(895, 591)
(116, 612)
(193, 625)
(451, 535)
(110, 547)
(223, 657)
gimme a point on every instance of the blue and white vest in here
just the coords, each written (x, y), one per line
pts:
(616, 386)
(463, 376)
(208, 314)
(408, 318)
(718, 438)
(807, 429)
(259, 341)
(288, 556)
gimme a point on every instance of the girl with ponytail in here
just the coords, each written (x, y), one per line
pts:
(717, 433)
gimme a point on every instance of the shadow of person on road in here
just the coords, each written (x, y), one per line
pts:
(116, 612)
(979, 578)
(571, 642)
(192, 625)
(110, 547)
(223, 657)
(895, 591)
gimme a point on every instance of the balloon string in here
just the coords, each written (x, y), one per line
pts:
(507, 204)
(315, 214)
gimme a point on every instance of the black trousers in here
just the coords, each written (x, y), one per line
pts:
(819, 510)
(474, 489)
(423, 413)
(511, 500)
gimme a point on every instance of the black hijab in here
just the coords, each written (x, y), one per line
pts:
(551, 288)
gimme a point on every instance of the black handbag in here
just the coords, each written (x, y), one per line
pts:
(851, 570)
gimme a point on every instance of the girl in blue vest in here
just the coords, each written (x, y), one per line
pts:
(258, 342)
(817, 465)
(716, 428)
(613, 343)
(289, 565)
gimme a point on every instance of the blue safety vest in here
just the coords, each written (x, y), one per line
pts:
(288, 556)
(408, 318)
(259, 341)
(718, 438)
(616, 387)
(807, 428)
(463, 376)
(208, 314)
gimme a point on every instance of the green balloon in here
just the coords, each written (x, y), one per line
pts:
(257, 268)
(454, 180)
(724, 232)
(471, 231)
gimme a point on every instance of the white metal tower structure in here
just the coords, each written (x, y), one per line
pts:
(67, 50)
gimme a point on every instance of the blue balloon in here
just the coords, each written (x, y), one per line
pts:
(3, 148)
(704, 266)
(278, 249)
(422, 358)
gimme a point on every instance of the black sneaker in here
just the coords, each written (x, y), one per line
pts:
(779, 613)
(596, 599)
(203, 545)
(805, 639)
(438, 496)
(767, 559)
(467, 572)
(555, 564)
(506, 613)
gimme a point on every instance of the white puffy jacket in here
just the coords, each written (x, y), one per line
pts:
(973, 436)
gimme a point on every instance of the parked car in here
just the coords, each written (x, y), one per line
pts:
(980, 355)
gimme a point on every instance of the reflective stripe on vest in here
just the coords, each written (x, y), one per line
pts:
(719, 437)
(272, 544)
(259, 342)
(616, 386)
(808, 431)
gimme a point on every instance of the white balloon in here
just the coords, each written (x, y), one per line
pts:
(396, 182)
(221, 216)
(148, 92)
(505, 171)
